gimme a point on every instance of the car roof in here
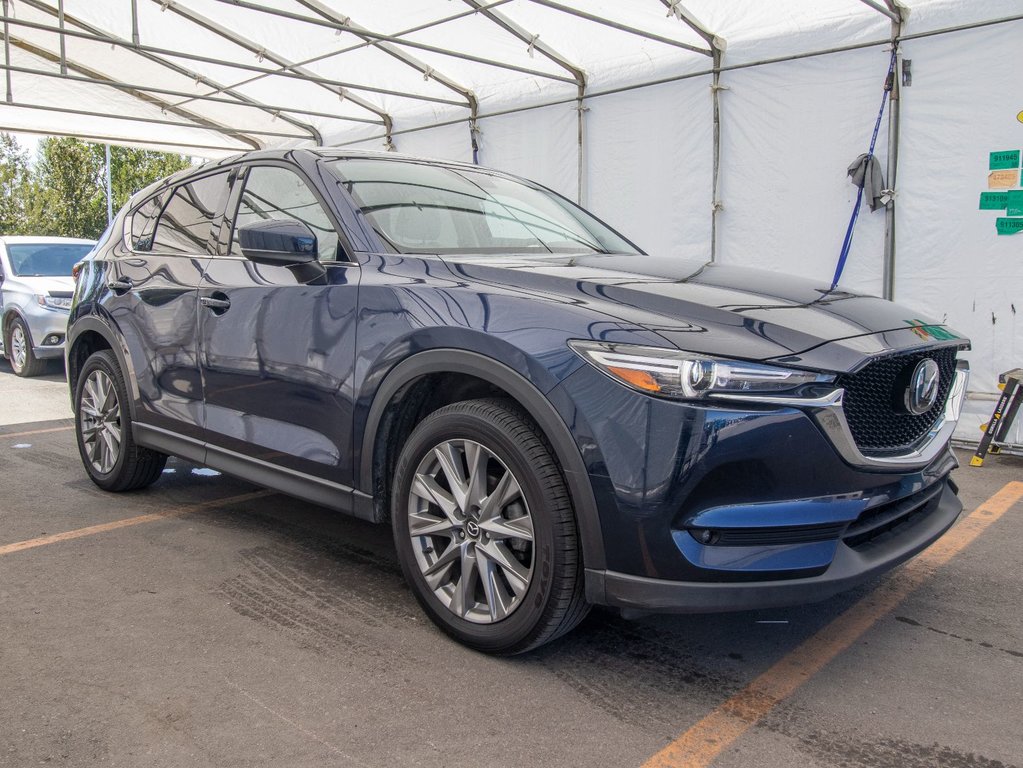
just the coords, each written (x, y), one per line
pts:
(332, 153)
(15, 239)
(322, 153)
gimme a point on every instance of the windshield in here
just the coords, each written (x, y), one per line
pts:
(45, 259)
(424, 208)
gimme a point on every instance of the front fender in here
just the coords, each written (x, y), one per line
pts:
(526, 388)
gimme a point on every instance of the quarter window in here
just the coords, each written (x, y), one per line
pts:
(143, 220)
(277, 193)
(188, 220)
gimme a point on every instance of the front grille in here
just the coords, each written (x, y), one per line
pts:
(873, 397)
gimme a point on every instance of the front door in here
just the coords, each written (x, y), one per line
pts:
(277, 344)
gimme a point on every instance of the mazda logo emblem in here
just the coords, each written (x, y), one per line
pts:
(922, 392)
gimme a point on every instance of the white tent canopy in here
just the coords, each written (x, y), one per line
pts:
(717, 128)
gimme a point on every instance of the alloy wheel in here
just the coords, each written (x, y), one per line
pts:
(19, 347)
(471, 530)
(100, 417)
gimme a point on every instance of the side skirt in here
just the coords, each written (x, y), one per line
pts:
(288, 481)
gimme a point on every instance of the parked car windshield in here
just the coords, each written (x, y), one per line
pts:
(45, 259)
(420, 207)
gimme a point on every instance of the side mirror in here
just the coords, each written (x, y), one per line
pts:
(278, 242)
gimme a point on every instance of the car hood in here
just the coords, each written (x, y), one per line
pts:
(45, 284)
(715, 308)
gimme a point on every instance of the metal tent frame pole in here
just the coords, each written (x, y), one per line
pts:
(894, 128)
(428, 73)
(396, 38)
(897, 12)
(100, 35)
(717, 50)
(534, 43)
(121, 141)
(264, 53)
(97, 78)
(7, 53)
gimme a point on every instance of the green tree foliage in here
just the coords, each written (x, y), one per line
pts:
(66, 196)
(13, 184)
(64, 192)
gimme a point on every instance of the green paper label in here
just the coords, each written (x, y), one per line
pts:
(1009, 226)
(1004, 160)
(1014, 202)
(993, 201)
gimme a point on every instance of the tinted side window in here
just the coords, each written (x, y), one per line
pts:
(186, 222)
(277, 193)
(142, 223)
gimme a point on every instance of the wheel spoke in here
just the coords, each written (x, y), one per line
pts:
(502, 528)
(451, 466)
(498, 599)
(515, 572)
(437, 573)
(424, 524)
(506, 491)
(476, 459)
(464, 599)
(426, 487)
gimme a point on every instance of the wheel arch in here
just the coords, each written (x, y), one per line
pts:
(524, 392)
(88, 335)
(10, 313)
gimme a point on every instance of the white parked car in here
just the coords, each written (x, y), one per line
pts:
(35, 295)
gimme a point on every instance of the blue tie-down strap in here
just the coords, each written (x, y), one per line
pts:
(847, 242)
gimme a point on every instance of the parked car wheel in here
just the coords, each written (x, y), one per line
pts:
(19, 351)
(103, 426)
(485, 530)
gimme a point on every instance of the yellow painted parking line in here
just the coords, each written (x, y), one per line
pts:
(35, 432)
(92, 530)
(701, 744)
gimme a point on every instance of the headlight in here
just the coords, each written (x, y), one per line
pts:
(54, 302)
(671, 373)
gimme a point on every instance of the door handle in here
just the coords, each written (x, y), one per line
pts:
(218, 303)
(121, 285)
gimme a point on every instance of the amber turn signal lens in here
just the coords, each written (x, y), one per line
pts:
(638, 379)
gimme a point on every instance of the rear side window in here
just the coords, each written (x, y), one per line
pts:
(191, 219)
(143, 221)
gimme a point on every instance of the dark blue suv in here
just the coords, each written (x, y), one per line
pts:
(547, 417)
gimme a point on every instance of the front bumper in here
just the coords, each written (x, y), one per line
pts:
(47, 330)
(848, 568)
(728, 506)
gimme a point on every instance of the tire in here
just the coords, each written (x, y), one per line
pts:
(109, 453)
(18, 346)
(513, 532)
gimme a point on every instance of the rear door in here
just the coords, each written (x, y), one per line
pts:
(152, 301)
(277, 344)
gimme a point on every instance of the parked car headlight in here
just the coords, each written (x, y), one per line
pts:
(54, 302)
(685, 375)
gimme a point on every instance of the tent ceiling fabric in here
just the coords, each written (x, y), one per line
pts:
(221, 76)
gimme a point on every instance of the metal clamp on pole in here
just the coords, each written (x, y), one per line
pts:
(997, 430)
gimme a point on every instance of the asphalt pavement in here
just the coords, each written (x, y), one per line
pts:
(205, 622)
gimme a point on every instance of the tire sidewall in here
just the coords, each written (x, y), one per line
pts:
(523, 621)
(103, 361)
